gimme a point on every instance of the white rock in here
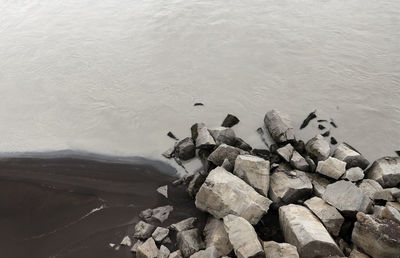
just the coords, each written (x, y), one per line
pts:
(273, 249)
(299, 162)
(386, 171)
(286, 152)
(215, 235)
(163, 252)
(143, 230)
(242, 237)
(302, 229)
(279, 126)
(163, 190)
(189, 242)
(185, 224)
(224, 193)
(160, 234)
(147, 250)
(354, 174)
(331, 167)
(317, 147)
(126, 241)
(254, 171)
(210, 252)
(201, 136)
(352, 157)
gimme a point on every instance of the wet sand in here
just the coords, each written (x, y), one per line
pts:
(71, 207)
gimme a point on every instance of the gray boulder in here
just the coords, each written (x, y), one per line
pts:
(243, 237)
(386, 171)
(189, 242)
(347, 198)
(377, 237)
(279, 126)
(369, 187)
(302, 229)
(354, 174)
(273, 249)
(224, 193)
(331, 167)
(163, 252)
(351, 156)
(289, 187)
(299, 162)
(223, 135)
(318, 148)
(147, 250)
(143, 230)
(224, 152)
(286, 152)
(254, 171)
(328, 214)
(215, 235)
(201, 136)
(185, 149)
(210, 252)
(160, 234)
(185, 224)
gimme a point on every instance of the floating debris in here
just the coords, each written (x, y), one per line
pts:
(333, 123)
(321, 127)
(310, 117)
(333, 140)
(171, 135)
(198, 104)
(326, 134)
(322, 120)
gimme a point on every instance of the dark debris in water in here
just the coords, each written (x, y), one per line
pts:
(326, 134)
(333, 140)
(321, 127)
(171, 135)
(322, 120)
(198, 104)
(333, 123)
(397, 152)
(310, 117)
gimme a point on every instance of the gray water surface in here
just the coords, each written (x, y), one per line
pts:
(114, 76)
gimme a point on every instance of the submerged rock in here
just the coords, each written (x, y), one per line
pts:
(230, 120)
(318, 148)
(201, 136)
(185, 149)
(224, 152)
(273, 249)
(147, 250)
(352, 157)
(224, 193)
(215, 235)
(302, 229)
(189, 242)
(331, 167)
(386, 171)
(279, 126)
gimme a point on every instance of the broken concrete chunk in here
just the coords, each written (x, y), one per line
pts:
(147, 250)
(386, 171)
(273, 249)
(210, 252)
(224, 193)
(185, 224)
(279, 126)
(377, 237)
(163, 190)
(318, 148)
(352, 157)
(289, 188)
(254, 171)
(369, 187)
(298, 162)
(224, 152)
(230, 120)
(185, 149)
(189, 242)
(286, 152)
(143, 230)
(223, 135)
(243, 237)
(302, 229)
(354, 174)
(331, 167)
(328, 214)
(215, 235)
(201, 136)
(160, 234)
(347, 198)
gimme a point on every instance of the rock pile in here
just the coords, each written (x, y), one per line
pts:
(327, 202)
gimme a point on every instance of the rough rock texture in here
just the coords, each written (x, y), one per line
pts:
(243, 237)
(328, 214)
(386, 171)
(331, 167)
(201, 136)
(223, 193)
(254, 171)
(286, 152)
(143, 230)
(230, 120)
(354, 174)
(136, 245)
(385, 194)
(241, 144)
(126, 241)
(185, 149)
(147, 250)
(369, 187)
(352, 157)
(289, 188)
(185, 224)
(195, 184)
(299, 162)
(210, 252)
(318, 148)
(357, 254)
(176, 254)
(224, 152)
(215, 235)
(389, 212)
(163, 252)
(377, 237)
(161, 214)
(346, 197)
(189, 242)
(227, 165)
(302, 229)
(223, 135)
(319, 183)
(160, 234)
(273, 249)
(279, 126)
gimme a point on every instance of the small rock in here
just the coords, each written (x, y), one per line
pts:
(377, 237)
(354, 174)
(161, 214)
(136, 245)
(163, 190)
(185, 224)
(224, 193)
(224, 152)
(126, 241)
(176, 254)
(163, 252)
(351, 156)
(386, 171)
(241, 144)
(279, 126)
(357, 254)
(143, 230)
(384, 194)
(318, 148)
(242, 237)
(328, 215)
(346, 197)
(223, 135)
(254, 171)
(111, 245)
(215, 235)
(286, 152)
(298, 162)
(185, 149)
(331, 167)
(369, 187)
(147, 250)
(201, 136)
(210, 252)
(230, 120)
(189, 242)
(160, 234)
(302, 229)
(273, 249)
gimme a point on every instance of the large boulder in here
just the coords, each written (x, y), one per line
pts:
(223, 135)
(328, 214)
(377, 237)
(189, 242)
(318, 148)
(215, 235)
(279, 126)
(243, 237)
(224, 152)
(351, 156)
(386, 171)
(331, 167)
(185, 149)
(254, 171)
(147, 250)
(289, 187)
(201, 136)
(273, 249)
(224, 193)
(347, 198)
(302, 229)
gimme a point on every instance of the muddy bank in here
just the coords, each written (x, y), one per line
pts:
(71, 207)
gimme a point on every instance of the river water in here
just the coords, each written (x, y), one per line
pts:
(114, 76)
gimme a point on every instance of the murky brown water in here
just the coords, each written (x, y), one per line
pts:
(115, 76)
